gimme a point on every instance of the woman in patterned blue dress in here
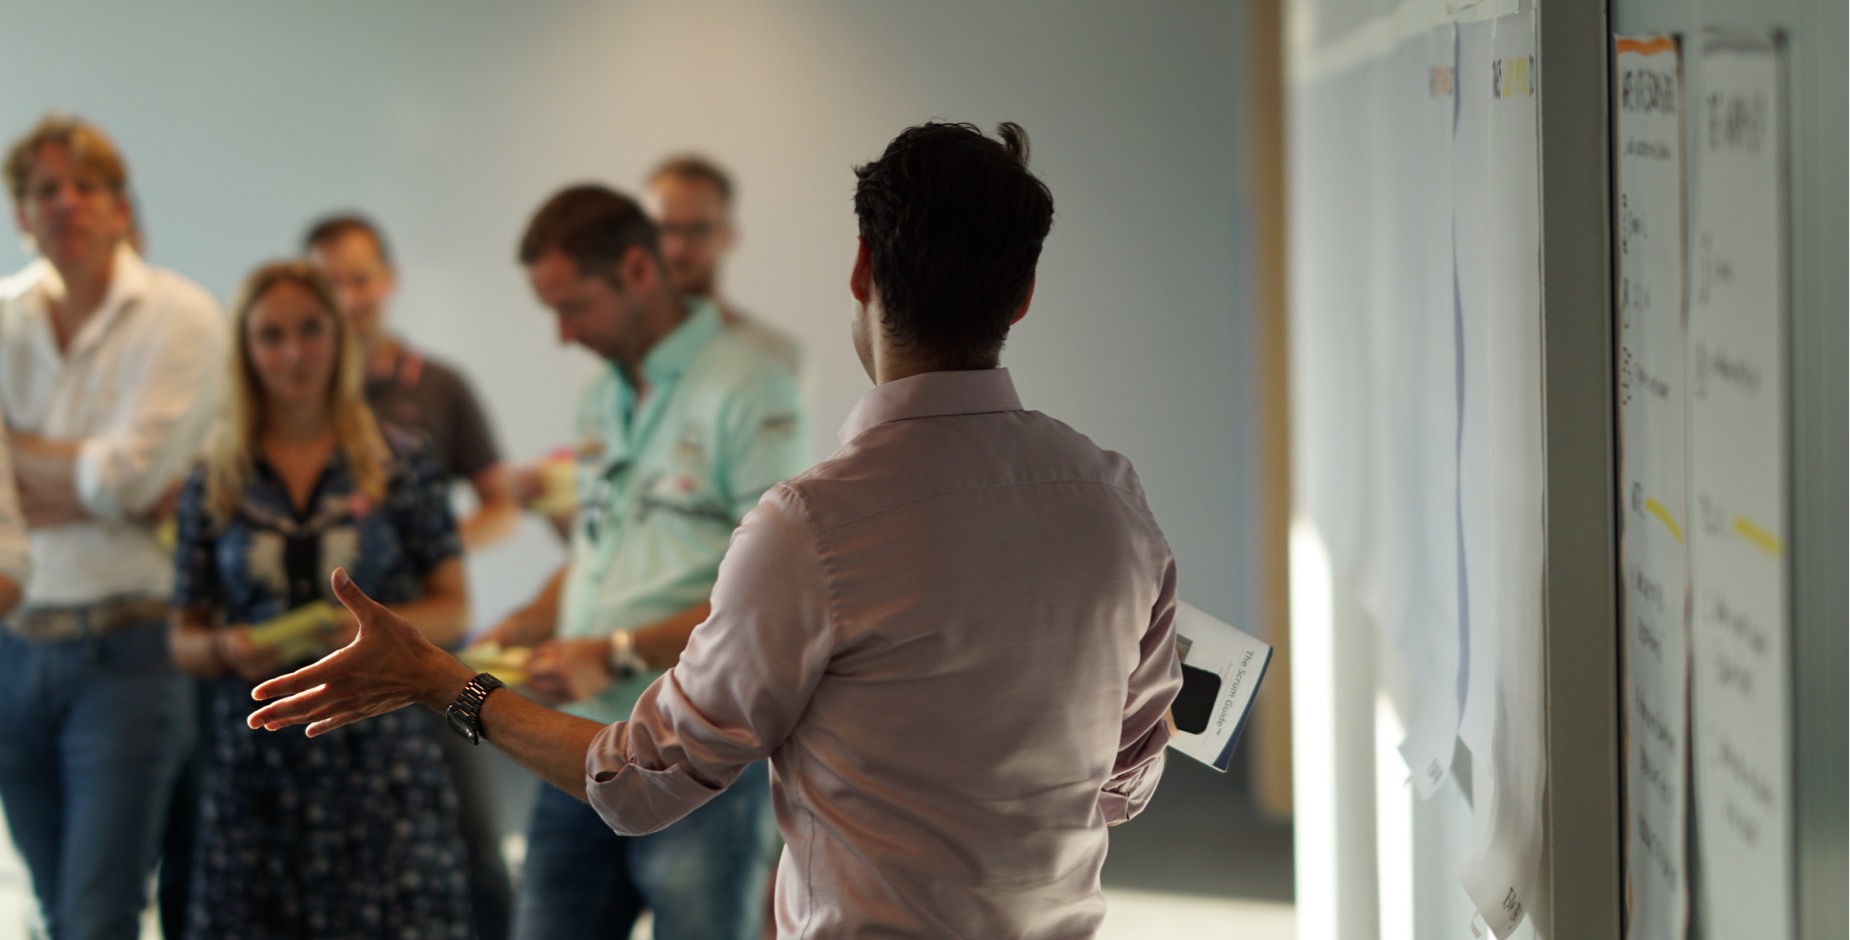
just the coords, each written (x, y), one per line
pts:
(354, 833)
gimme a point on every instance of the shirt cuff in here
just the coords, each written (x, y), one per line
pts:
(97, 497)
(634, 800)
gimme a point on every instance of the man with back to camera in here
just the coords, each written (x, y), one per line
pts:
(680, 433)
(954, 638)
(408, 389)
(109, 373)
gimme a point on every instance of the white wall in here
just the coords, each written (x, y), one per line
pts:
(451, 121)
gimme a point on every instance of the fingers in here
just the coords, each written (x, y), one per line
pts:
(301, 680)
(320, 728)
(363, 607)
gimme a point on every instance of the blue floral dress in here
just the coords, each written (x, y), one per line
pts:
(353, 833)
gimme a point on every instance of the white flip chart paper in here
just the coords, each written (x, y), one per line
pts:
(1653, 553)
(1740, 682)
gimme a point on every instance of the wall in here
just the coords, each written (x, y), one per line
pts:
(450, 122)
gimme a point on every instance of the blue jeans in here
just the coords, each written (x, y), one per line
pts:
(94, 731)
(703, 877)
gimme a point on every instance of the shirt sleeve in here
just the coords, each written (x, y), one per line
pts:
(418, 498)
(1145, 733)
(196, 581)
(15, 550)
(744, 680)
(766, 438)
(472, 444)
(160, 426)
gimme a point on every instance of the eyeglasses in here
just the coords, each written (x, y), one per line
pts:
(692, 231)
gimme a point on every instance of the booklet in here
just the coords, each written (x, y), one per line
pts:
(1221, 670)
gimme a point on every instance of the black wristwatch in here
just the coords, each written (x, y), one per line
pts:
(466, 715)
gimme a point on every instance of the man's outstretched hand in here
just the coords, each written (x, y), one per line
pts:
(388, 665)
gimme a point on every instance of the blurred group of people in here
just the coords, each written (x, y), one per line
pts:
(176, 486)
(953, 640)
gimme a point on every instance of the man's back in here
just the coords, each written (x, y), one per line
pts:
(998, 578)
(954, 637)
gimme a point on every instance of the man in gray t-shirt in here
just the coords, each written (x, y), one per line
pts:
(405, 387)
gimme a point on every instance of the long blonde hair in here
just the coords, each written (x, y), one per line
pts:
(229, 457)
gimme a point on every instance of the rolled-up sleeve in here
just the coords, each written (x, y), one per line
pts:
(162, 422)
(15, 552)
(742, 683)
(1153, 688)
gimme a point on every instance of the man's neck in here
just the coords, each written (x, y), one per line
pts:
(382, 353)
(665, 315)
(85, 286)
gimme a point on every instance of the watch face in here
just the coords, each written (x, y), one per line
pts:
(462, 724)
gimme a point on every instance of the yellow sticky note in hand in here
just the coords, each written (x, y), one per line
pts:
(507, 663)
(303, 633)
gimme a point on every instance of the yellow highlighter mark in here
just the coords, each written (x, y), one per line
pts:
(1655, 508)
(1766, 541)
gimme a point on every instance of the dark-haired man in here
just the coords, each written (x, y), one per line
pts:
(954, 638)
(406, 387)
(678, 437)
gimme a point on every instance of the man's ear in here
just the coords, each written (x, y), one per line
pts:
(861, 279)
(639, 270)
(1026, 299)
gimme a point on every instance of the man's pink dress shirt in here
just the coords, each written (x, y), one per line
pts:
(954, 641)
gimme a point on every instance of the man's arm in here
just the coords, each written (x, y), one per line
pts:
(1145, 732)
(537, 621)
(15, 549)
(389, 665)
(124, 470)
(576, 669)
(497, 512)
(742, 684)
(45, 471)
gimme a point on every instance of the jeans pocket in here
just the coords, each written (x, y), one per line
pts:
(142, 648)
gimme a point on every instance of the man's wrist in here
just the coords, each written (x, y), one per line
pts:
(447, 681)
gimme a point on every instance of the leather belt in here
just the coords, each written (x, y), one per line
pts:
(57, 624)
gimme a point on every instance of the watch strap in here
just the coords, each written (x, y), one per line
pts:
(465, 714)
(624, 663)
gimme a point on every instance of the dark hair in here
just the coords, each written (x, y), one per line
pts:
(953, 223)
(593, 225)
(331, 227)
(692, 166)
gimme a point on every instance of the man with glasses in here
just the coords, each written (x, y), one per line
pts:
(690, 199)
(679, 436)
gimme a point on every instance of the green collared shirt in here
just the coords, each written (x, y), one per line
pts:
(664, 480)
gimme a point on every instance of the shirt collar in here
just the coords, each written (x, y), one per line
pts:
(676, 351)
(129, 278)
(932, 395)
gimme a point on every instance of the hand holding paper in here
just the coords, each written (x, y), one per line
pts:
(1221, 671)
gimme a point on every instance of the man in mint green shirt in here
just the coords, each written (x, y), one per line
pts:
(678, 437)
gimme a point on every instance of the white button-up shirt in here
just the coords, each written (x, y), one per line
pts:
(955, 641)
(139, 387)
